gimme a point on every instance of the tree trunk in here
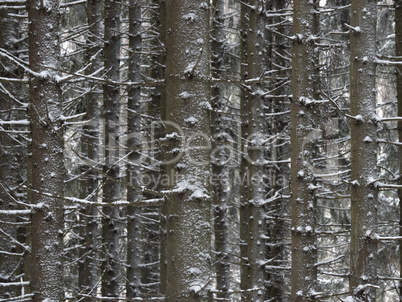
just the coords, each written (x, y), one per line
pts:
(257, 133)
(111, 189)
(244, 204)
(304, 118)
(88, 270)
(45, 114)
(133, 167)
(219, 156)
(398, 53)
(187, 111)
(363, 250)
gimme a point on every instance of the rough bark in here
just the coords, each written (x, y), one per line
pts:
(159, 105)
(45, 113)
(304, 113)
(187, 106)
(220, 154)
(363, 250)
(257, 133)
(398, 53)
(88, 270)
(111, 188)
(133, 145)
(244, 205)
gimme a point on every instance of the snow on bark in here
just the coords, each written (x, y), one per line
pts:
(188, 207)
(47, 153)
(363, 150)
(304, 118)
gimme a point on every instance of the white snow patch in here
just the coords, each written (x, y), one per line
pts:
(47, 5)
(367, 139)
(206, 105)
(191, 120)
(172, 135)
(204, 5)
(359, 118)
(355, 183)
(189, 17)
(198, 194)
(184, 95)
(194, 271)
(299, 293)
(309, 229)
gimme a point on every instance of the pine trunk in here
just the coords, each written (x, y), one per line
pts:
(363, 250)
(88, 270)
(111, 189)
(398, 53)
(188, 248)
(219, 155)
(45, 114)
(304, 119)
(134, 145)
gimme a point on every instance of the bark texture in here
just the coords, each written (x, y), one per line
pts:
(363, 250)
(45, 113)
(304, 113)
(243, 191)
(398, 53)
(257, 134)
(188, 126)
(220, 154)
(88, 270)
(111, 189)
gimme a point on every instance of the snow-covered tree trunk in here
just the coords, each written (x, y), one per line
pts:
(304, 118)
(220, 154)
(111, 189)
(278, 151)
(159, 73)
(243, 191)
(363, 251)
(45, 112)
(133, 146)
(88, 270)
(187, 113)
(398, 53)
(257, 133)
(158, 110)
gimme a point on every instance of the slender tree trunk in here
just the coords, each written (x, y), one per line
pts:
(88, 270)
(111, 189)
(219, 155)
(398, 53)
(279, 150)
(257, 66)
(45, 113)
(244, 204)
(159, 73)
(304, 122)
(363, 251)
(187, 111)
(133, 170)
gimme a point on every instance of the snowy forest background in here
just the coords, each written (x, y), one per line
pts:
(191, 150)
